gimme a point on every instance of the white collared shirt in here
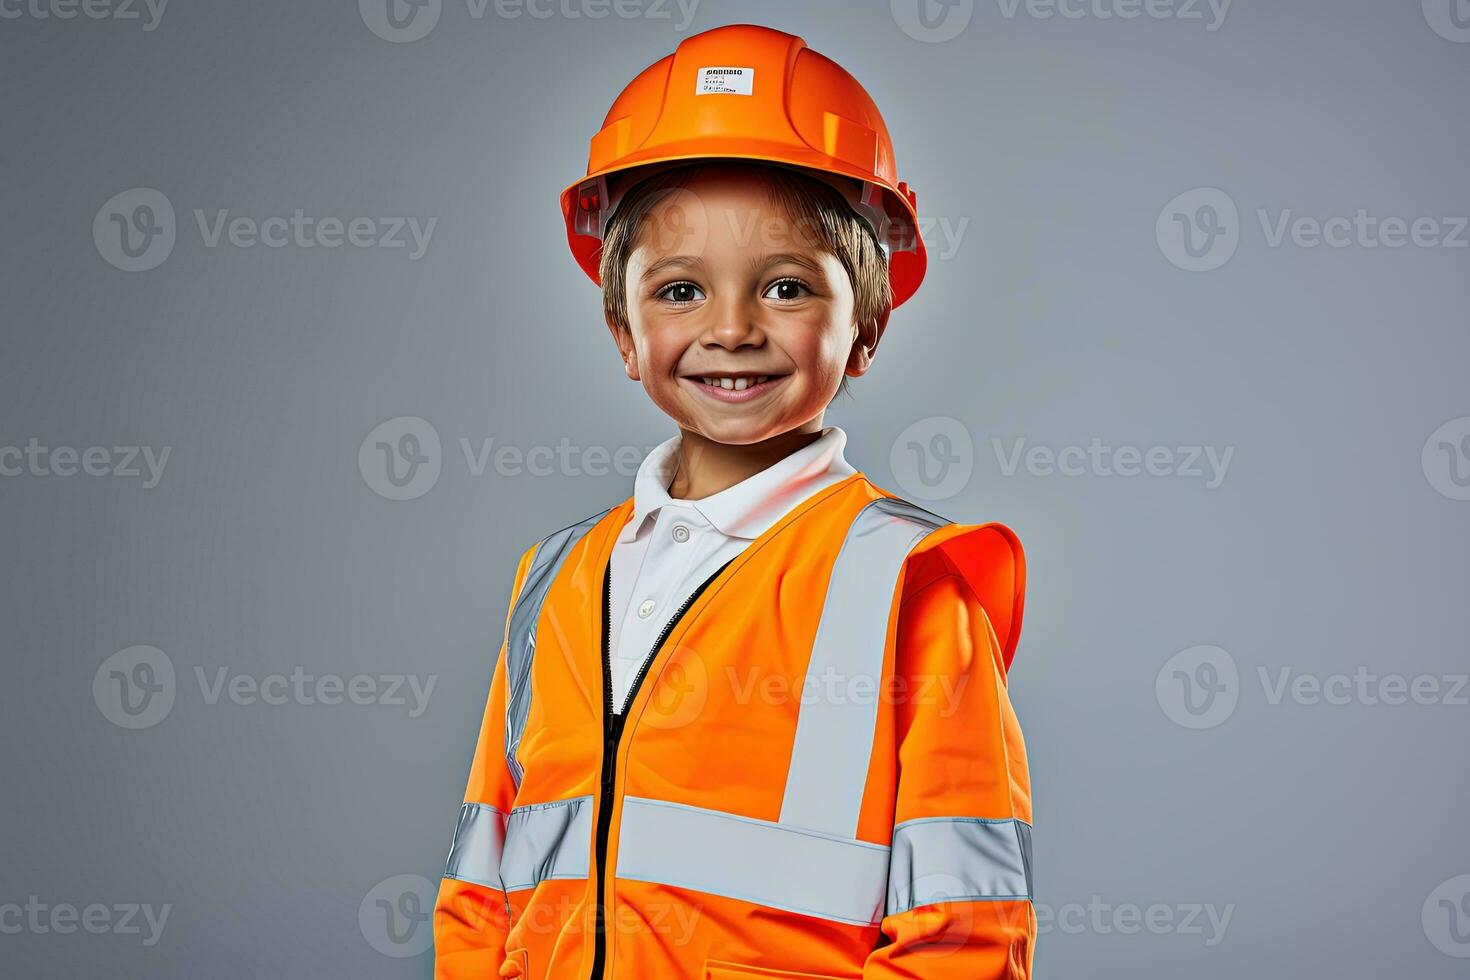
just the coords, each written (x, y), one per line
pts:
(668, 547)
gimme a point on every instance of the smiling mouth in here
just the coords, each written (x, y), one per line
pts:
(737, 382)
(734, 387)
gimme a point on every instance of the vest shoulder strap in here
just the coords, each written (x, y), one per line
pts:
(520, 641)
(834, 736)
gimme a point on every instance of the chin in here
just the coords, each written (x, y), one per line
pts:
(736, 432)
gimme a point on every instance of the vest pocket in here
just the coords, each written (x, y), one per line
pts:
(724, 970)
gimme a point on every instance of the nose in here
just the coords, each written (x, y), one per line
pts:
(734, 323)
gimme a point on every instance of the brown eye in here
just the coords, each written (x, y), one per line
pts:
(786, 290)
(679, 292)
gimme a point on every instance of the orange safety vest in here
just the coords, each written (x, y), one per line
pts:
(818, 773)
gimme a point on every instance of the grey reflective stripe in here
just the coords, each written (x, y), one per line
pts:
(520, 637)
(475, 852)
(547, 840)
(834, 736)
(752, 860)
(944, 859)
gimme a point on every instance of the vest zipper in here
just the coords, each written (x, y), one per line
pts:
(612, 733)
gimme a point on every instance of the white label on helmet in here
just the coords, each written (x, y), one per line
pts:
(724, 81)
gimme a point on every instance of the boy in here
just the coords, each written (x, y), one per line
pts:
(751, 722)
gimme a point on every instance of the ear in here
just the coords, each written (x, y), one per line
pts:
(623, 338)
(865, 345)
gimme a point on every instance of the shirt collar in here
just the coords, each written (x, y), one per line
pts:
(748, 508)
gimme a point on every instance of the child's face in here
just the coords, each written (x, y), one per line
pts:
(722, 284)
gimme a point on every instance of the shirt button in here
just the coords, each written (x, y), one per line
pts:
(681, 533)
(645, 609)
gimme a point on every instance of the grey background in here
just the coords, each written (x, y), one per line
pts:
(1058, 319)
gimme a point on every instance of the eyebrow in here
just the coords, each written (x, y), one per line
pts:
(757, 262)
(668, 261)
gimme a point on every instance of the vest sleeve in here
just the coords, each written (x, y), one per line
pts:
(959, 901)
(470, 915)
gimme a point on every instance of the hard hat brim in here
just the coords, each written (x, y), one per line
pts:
(906, 265)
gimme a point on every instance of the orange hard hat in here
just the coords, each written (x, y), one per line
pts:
(746, 92)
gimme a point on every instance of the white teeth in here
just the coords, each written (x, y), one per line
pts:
(735, 384)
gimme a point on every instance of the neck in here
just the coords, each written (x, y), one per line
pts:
(706, 467)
